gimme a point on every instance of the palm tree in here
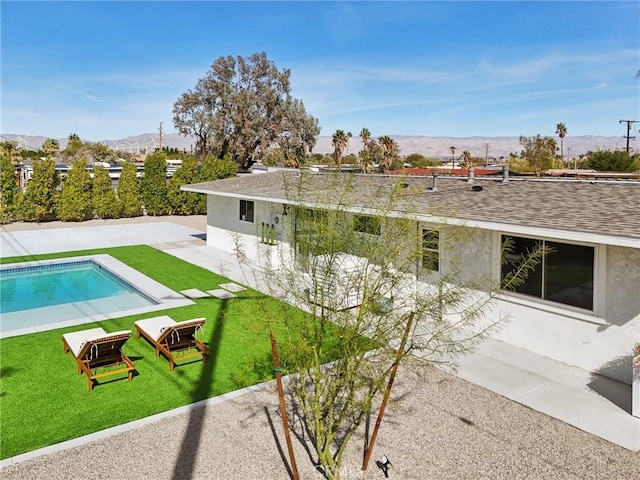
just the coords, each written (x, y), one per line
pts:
(561, 131)
(349, 137)
(11, 150)
(466, 155)
(389, 151)
(365, 154)
(339, 142)
(453, 152)
(365, 136)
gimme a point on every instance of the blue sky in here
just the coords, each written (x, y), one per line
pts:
(107, 70)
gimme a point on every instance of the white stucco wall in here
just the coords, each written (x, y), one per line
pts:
(225, 229)
(600, 342)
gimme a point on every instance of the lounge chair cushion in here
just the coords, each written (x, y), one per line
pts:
(153, 327)
(76, 340)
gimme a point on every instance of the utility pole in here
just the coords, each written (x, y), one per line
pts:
(628, 136)
(160, 129)
(486, 154)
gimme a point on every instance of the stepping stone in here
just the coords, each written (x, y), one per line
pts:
(232, 287)
(221, 294)
(194, 293)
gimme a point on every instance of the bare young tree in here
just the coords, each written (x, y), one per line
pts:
(363, 266)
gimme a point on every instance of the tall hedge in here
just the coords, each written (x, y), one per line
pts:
(75, 199)
(214, 169)
(129, 199)
(185, 203)
(154, 185)
(39, 202)
(8, 190)
(105, 202)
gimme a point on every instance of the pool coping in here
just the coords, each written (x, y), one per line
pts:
(165, 297)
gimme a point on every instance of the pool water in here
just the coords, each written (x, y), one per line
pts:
(28, 288)
(49, 294)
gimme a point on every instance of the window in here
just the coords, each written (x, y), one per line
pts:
(431, 249)
(564, 274)
(246, 210)
(366, 224)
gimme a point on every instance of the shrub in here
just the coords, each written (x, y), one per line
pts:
(75, 198)
(40, 198)
(613, 161)
(154, 185)
(105, 202)
(185, 203)
(8, 191)
(129, 203)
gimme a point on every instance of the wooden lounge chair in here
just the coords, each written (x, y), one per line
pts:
(169, 336)
(96, 348)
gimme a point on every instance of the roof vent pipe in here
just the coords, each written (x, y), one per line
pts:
(434, 185)
(472, 174)
(505, 174)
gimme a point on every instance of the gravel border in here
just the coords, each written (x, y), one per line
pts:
(436, 426)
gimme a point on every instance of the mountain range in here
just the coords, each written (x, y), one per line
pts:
(432, 147)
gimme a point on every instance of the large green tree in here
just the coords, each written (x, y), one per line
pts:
(75, 198)
(298, 133)
(538, 152)
(104, 201)
(242, 107)
(154, 185)
(40, 192)
(129, 196)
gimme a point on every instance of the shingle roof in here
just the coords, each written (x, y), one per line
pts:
(600, 207)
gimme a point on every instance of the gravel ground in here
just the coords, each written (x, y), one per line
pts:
(436, 426)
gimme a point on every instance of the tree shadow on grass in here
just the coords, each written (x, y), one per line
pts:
(183, 468)
(4, 373)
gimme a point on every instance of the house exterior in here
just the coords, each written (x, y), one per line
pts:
(581, 306)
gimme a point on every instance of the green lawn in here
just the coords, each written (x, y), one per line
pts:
(43, 401)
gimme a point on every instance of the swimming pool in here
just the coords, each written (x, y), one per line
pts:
(38, 296)
(26, 288)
